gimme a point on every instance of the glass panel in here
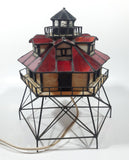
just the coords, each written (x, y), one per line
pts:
(63, 52)
(91, 48)
(63, 23)
(58, 52)
(70, 23)
(80, 64)
(29, 60)
(56, 23)
(38, 78)
(68, 52)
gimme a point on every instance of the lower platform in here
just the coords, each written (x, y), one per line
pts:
(39, 91)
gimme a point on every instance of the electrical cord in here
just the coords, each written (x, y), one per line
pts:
(44, 147)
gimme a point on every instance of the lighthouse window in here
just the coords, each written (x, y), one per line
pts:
(56, 23)
(34, 48)
(70, 23)
(69, 52)
(64, 53)
(92, 47)
(63, 23)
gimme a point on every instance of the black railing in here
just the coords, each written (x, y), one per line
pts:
(92, 89)
(52, 31)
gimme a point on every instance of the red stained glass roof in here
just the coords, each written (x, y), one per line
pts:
(40, 39)
(92, 62)
(25, 57)
(29, 60)
(81, 61)
(48, 64)
(64, 66)
(85, 39)
(33, 62)
(100, 57)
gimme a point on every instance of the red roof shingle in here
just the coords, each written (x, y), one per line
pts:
(40, 39)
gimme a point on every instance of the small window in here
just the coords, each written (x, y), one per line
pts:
(42, 48)
(58, 52)
(70, 23)
(63, 23)
(35, 49)
(56, 23)
(69, 53)
(92, 47)
(64, 54)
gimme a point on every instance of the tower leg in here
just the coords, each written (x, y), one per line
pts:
(108, 101)
(20, 108)
(97, 142)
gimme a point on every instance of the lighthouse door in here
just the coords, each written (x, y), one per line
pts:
(65, 81)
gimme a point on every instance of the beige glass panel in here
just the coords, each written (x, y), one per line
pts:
(79, 80)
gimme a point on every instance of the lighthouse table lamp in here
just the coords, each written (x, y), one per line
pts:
(64, 65)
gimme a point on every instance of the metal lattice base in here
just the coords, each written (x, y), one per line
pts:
(47, 117)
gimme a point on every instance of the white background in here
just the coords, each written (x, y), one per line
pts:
(109, 21)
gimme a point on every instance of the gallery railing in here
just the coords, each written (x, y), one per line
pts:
(52, 31)
(92, 89)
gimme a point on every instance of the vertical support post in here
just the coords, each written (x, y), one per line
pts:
(88, 81)
(108, 101)
(93, 122)
(92, 117)
(98, 111)
(33, 112)
(96, 141)
(41, 81)
(22, 102)
(39, 124)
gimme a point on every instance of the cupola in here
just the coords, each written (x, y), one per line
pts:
(63, 25)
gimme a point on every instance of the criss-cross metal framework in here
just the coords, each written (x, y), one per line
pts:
(97, 108)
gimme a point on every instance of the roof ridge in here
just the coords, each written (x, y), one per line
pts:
(102, 53)
(43, 58)
(90, 56)
(84, 58)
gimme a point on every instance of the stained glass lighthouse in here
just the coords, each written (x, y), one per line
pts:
(64, 63)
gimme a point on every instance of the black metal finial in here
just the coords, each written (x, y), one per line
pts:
(64, 8)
